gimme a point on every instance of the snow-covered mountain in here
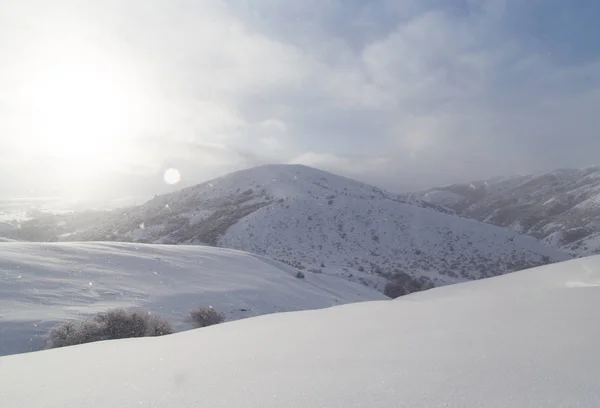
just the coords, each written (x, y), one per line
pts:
(561, 207)
(321, 222)
(42, 284)
(528, 339)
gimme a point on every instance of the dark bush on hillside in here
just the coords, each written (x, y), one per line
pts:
(110, 325)
(403, 284)
(394, 290)
(206, 316)
(122, 324)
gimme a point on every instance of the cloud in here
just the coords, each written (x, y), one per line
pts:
(401, 94)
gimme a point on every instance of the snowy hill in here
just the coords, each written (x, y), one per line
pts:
(528, 339)
(562, 207)
(321, 222)
(42, 284)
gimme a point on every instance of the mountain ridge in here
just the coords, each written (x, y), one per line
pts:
(559, 207)
(325, 223)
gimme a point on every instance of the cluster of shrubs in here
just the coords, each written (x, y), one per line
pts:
(206, 316)
(121, 324)
(401, 284)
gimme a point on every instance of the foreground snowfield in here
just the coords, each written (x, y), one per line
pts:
(42, 284)
(528, 339)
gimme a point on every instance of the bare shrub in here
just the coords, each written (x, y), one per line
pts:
(110, 325)
(403, 284)
(120, 324)
(394, 290)
(206, 316)
(157, 326)
(69, 334)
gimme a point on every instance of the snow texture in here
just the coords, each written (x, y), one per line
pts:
(561, 207)
(318, 221)
(528, 339)
(42, 284)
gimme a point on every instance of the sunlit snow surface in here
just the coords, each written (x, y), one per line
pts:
(42, 284)
(528, 339)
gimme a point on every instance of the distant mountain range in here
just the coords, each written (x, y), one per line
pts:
(560, 207)
(323, 223)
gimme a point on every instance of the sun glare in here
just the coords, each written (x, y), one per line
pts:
(82, 113)
(172, 176)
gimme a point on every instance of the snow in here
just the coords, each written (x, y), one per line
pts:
(382, 234)
(555, 239)
(444, 198)
(517, 227)
(589, 245)
(544, 205)
(528, 339)
(310, 218)
(20, 209)
(364, 278)
(280, 181)
(42, 284)
(590, 203)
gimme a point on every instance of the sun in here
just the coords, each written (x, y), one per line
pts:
(83, 113)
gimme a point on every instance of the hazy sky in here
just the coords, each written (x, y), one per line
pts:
(105, 95)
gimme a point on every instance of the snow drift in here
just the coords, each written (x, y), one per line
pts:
(42, 284)
(528, 339)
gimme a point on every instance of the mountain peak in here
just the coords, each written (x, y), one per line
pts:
(325, 223)
(285, 181)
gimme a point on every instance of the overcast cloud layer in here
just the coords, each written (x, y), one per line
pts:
(402, 94)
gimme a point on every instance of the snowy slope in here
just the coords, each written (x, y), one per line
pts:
(41, 284)
(383, 235)
(562, 207)
(528, 339)
(325, 223)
